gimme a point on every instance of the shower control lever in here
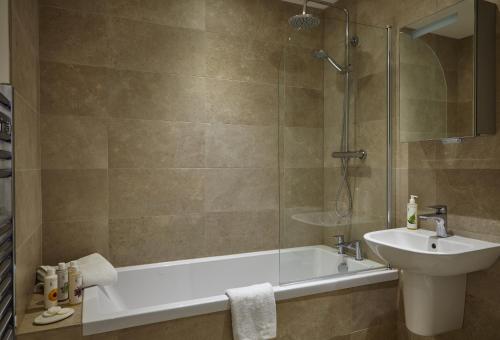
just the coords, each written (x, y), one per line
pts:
(361, 154)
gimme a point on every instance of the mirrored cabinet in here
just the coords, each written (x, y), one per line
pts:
(448, 74)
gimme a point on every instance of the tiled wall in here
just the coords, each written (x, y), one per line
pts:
(4, 42)
(25, 79)
(159, 127)
(368, 126)
(352, 314)
(463, 176)
(301, 137)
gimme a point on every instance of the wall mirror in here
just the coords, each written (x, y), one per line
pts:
(447, 73)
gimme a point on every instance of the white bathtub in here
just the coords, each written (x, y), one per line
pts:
(159, 292)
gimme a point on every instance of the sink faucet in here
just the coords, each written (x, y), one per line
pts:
(355, 246)
(440, 217)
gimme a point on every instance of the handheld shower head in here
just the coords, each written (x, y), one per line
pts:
(304, 20)
(322, 55)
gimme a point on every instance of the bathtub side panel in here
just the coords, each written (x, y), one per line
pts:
(352, 313)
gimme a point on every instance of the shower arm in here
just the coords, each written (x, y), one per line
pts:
(304, 7)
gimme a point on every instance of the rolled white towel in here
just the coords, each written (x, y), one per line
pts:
(253, 312)
(95, 269)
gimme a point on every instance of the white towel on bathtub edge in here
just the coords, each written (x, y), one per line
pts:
(253, 312)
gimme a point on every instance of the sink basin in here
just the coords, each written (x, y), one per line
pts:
(433, 273)
(420, 251)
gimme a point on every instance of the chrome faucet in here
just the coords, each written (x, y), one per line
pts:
(440, 216)
(355, 246)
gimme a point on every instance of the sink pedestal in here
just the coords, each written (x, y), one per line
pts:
(433, 304)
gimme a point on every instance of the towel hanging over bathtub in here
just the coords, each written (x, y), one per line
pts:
(253, 312)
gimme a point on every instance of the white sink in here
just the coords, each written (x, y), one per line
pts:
(420, 251)
(434, 273)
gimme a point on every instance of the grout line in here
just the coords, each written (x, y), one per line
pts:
(173, 74)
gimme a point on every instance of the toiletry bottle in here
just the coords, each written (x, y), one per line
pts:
(50, 289)
(411, 213)
(75, 284)
(62, 282)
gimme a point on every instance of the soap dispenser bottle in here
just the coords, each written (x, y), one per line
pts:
(75, 284)
(411, 213)
(50, 289)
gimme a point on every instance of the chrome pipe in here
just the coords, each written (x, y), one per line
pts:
(389, 128)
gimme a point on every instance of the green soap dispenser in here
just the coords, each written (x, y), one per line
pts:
(411, 213)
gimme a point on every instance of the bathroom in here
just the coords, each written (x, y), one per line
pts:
(201, 146)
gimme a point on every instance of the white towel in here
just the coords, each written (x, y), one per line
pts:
(253, 312)
(95, 269)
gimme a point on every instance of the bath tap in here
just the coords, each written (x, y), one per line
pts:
(440, 216)
(355, 246)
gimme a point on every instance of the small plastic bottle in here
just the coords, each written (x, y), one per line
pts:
(62, 282)
(412, 213)
(75, 284)
(50, 289)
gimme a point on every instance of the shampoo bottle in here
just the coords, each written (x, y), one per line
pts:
(62, 282)
(50, 289)
(75, 284)
(411, 213)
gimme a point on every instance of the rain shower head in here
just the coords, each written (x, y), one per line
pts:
(304, 20)
(322, 55)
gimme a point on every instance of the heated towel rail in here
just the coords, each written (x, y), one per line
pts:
(7, 307)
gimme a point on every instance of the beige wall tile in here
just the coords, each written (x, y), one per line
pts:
(26, 130)
(157, 48)
(371, 136)
(303, 107)
(241, 189)
(303, 188)
(97, 6)
(371, 97)
(386, 332)
(71, 142)
(186, 14)
(239, 22)
(154, 192)
(235, 102)
(296, 232)
(215, 326)
(28, 204)
(28, 258)
(73, 37)
(155, 96)
(66, 241)
(301, 69)
(374, 305)
(156, 239)
(239, 232)
(74, 333)
(241, 146)
(72, 195)
(26, 12)
(303, 147)
(315, 317)
(25, 69)
(240, 59)
(74, 90)
(156, 144)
